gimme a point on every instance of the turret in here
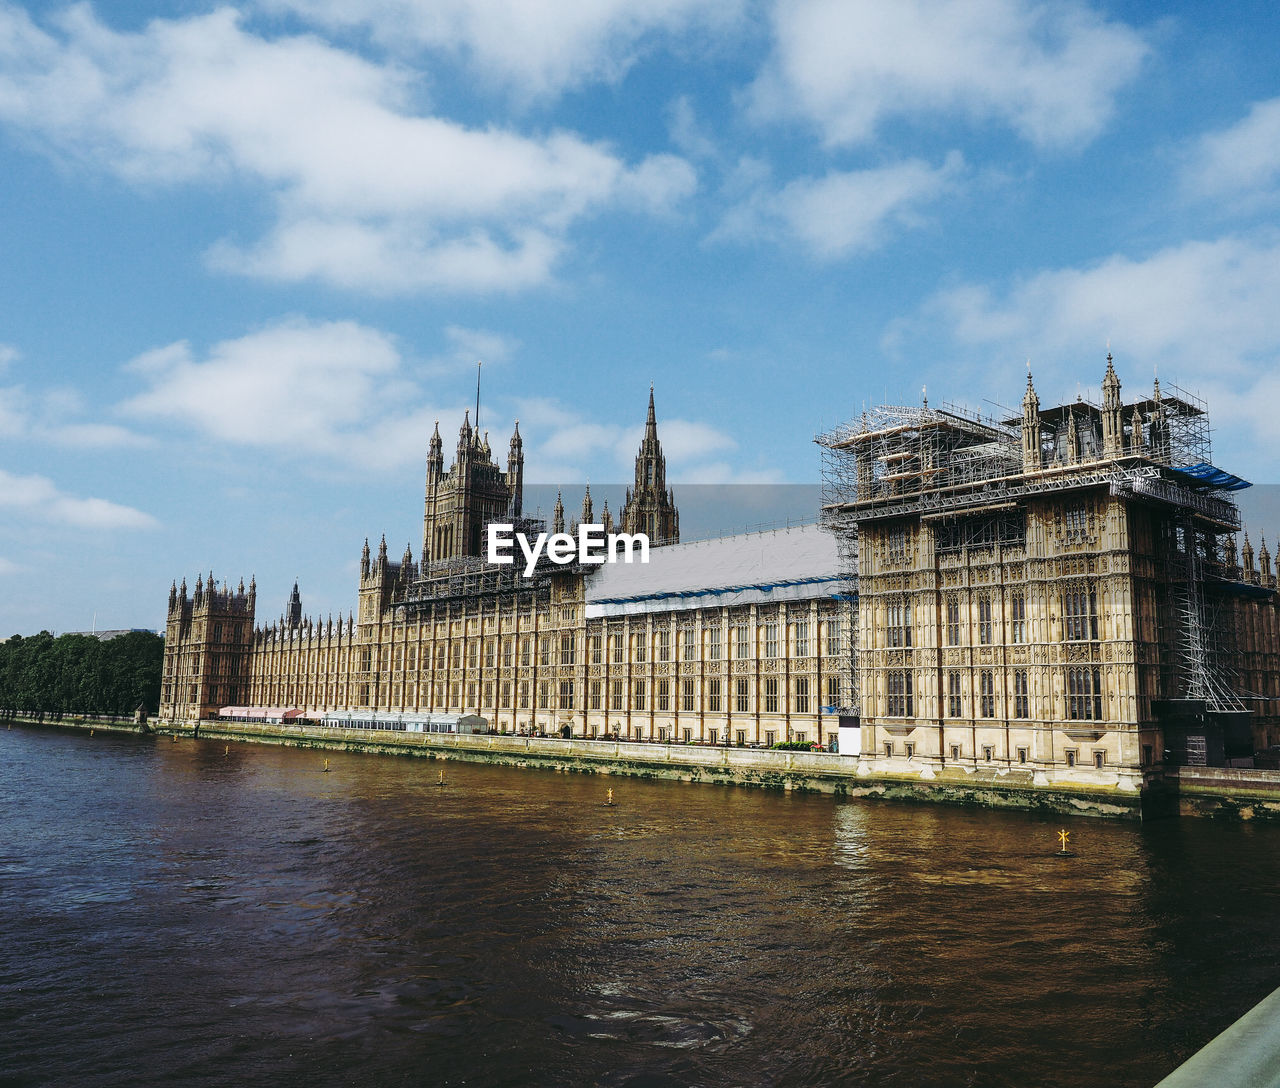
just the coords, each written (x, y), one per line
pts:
(464, 437)
(1073, 441)
(173, 596)
(435, 457)
(364, 559)
(1112, 417)
(1159, 426)
(606, 518)
(1246, 559)
(1030, 428)
(515, 472)
(588, 514)
(557, 515)
(1264, 562)
(1136, 444)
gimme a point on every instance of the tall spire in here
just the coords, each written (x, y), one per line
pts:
(588, 513)
(293, 610)
(649, 507)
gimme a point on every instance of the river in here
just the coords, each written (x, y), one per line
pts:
(197, 913)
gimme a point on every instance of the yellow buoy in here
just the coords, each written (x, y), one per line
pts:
(1063, 836)
(441, 782)
(609, 799)
(326, 766)
(227, 750)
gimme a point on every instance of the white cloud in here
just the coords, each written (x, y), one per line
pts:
(563, 445)
(370, 193)
(334, 388)
(469, 346)
(8, 354)
(1240, 161)
(1051, 71)
(534, 47)
(41, 498)
(8, 566)
(56, 417)
(845, 212)
(1204, 312)
(686, 133)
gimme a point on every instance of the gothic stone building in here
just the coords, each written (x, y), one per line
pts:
(738, 640)
(1058, 594)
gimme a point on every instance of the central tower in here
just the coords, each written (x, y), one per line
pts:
(473, 493)
(650, 507)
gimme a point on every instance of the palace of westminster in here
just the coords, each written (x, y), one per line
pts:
(1059, 592)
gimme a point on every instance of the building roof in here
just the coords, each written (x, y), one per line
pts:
(752, 568)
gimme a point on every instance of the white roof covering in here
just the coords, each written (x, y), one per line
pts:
(752, 568)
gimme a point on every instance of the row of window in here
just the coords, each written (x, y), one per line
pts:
(1079, 619)
(717, 696)
(563, 651)
(1083, 694)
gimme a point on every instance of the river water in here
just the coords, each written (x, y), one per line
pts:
(191, 912)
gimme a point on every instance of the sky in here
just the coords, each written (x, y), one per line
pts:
(251, 252)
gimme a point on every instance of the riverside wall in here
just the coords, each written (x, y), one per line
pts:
(810, 772)
(1223, 793)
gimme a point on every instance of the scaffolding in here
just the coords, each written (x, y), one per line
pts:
(969, 476)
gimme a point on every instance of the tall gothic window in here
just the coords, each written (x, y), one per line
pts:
(1021, 698)
(1080, 613)
(1018, 617)
(901, 702)
(1084, 693)
(899, 621)
(802, 695)
(984, 620)
(987, 693)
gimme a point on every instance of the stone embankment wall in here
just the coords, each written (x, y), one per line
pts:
(814, 772)
(1228, 793)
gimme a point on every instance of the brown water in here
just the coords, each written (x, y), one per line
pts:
(174, 915)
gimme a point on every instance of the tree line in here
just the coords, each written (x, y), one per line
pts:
(42, 676)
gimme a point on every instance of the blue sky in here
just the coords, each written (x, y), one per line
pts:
(250, 253)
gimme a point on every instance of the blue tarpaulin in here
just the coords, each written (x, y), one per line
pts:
(1207, 475)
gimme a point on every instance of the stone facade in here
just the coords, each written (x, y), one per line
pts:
(1057, 595)
(454, 634)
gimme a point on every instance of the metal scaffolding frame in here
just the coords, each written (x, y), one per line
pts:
(947, 464)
